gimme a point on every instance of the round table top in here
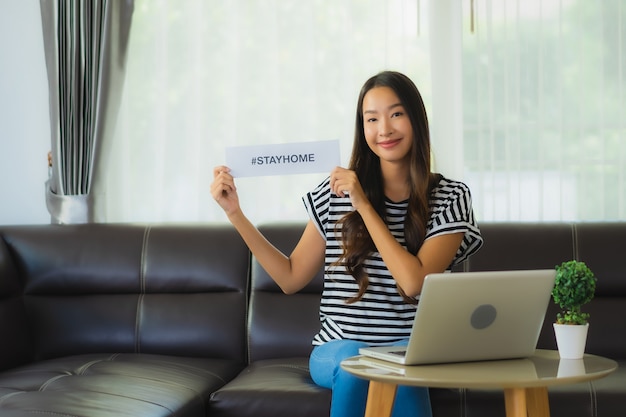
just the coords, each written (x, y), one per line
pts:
(544, 368)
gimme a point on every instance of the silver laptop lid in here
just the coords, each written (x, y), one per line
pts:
(479, 315)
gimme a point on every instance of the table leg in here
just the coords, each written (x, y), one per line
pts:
(515, 402)
(537, 400)
(380, 399)
(527, 402)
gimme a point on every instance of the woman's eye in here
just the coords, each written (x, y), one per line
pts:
(397, 114)
(370, 120)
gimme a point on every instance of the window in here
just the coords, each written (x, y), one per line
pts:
(545, 110)
(205, 75)
(541, 105)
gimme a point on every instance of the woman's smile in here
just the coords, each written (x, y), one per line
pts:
(388, 144)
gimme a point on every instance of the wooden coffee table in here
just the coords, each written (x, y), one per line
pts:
(525, 381)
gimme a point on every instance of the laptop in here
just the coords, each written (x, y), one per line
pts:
(474, 316)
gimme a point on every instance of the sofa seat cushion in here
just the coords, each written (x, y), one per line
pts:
(108, 385)
(272, 388)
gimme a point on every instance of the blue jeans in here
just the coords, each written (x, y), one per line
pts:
(349, 393)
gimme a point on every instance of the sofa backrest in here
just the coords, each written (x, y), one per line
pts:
(193, 290)
(282, 325)
(179, 290)
(16, 346)
(601, 246)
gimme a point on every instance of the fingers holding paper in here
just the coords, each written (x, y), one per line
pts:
(223, 189)
(344, 182)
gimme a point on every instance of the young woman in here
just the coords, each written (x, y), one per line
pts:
(378, 228)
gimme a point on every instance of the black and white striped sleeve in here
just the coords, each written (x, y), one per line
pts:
(317, 204)
(451, 212)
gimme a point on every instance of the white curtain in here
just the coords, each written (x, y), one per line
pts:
(205, 75)
(85, 47)
(544, 85)
(526, 100)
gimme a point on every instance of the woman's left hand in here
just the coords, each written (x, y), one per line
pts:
(345, 182)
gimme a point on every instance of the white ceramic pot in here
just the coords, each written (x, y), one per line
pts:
(571, 340)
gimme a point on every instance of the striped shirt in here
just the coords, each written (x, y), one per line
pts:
(381, 316)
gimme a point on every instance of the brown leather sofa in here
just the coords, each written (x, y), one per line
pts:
(178, 320)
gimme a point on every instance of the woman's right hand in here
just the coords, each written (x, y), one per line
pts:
(224, 191)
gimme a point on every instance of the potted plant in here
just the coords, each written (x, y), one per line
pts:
(574, 286)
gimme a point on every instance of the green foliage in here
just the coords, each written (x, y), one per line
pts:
(574, 286)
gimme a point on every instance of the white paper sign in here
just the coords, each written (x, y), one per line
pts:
(283, 159)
